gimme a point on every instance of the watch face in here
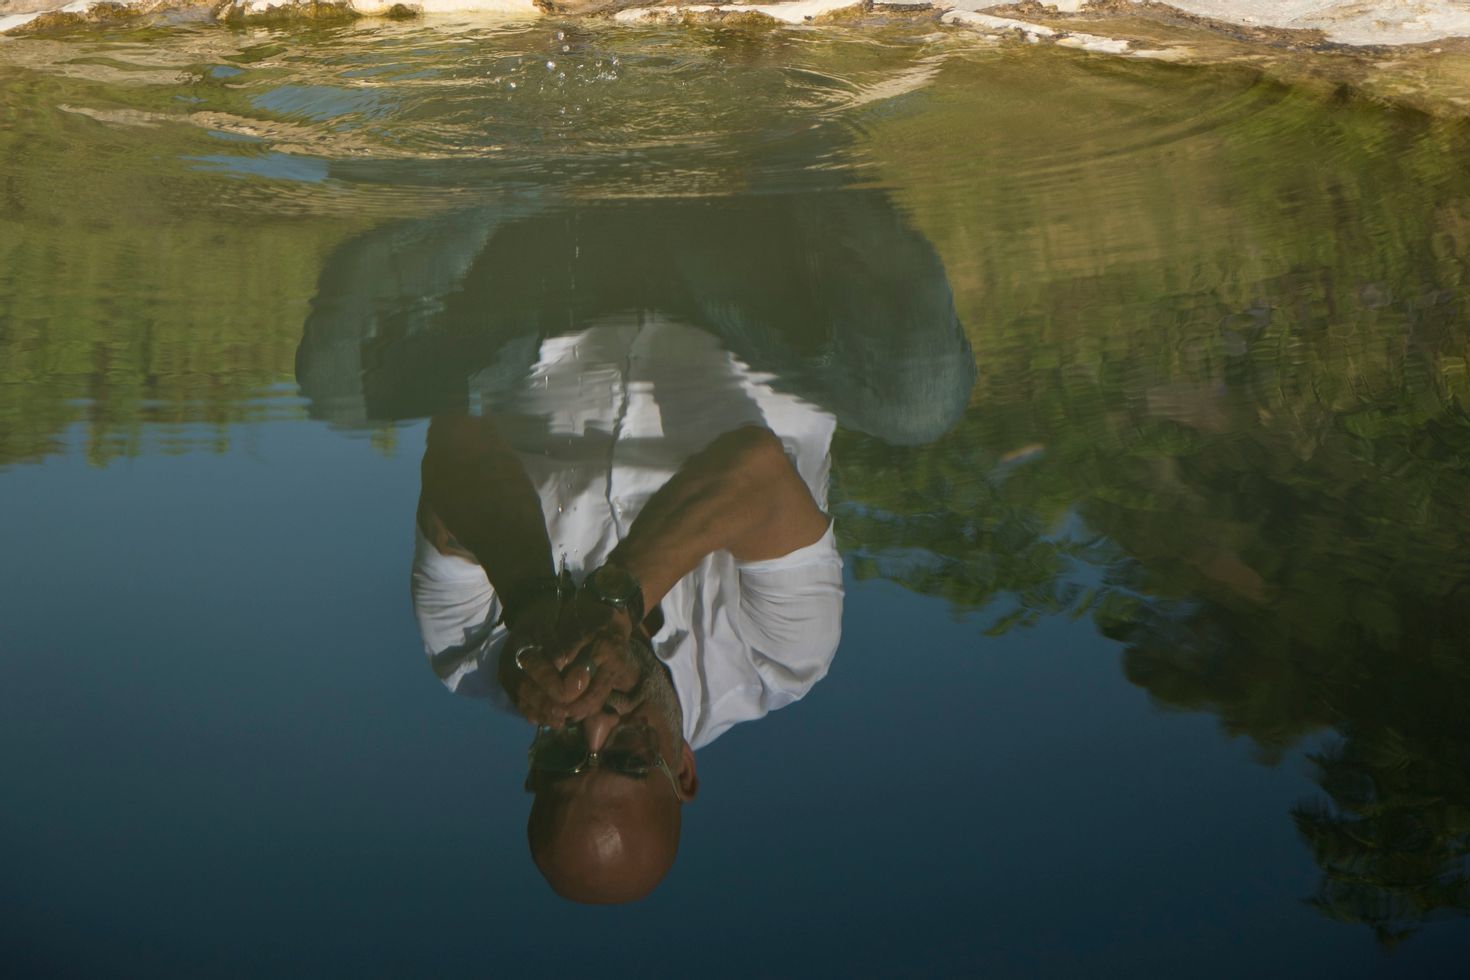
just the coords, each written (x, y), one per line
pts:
(614, 585)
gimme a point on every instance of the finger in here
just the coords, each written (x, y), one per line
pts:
(538, 671)
(624, 702)
(532, 708)
(582, 677)
(591, 701)
(601, 649)
(561, 649)
(611, 654)
(572, 652)
(618, 674)
(577, 678)
(538, 709)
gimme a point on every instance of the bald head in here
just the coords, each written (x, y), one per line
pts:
(603, 837)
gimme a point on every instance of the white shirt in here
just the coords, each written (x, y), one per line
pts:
(606, 418)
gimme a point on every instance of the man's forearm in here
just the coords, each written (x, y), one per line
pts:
(477, 487)
(740, 495)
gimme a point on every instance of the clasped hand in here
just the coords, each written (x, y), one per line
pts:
(568, 660)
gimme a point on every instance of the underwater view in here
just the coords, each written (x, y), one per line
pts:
(492, 496)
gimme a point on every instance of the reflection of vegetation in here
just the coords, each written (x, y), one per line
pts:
(1259, 399)
(121, 307)
(1394, 841)
(142, 296)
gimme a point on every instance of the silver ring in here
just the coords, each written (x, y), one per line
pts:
(522, 652)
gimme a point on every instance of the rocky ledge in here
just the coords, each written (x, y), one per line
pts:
(1310, 23)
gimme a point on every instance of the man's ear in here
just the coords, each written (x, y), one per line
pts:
(687, 776)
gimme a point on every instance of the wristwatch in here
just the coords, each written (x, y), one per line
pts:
(617, 587)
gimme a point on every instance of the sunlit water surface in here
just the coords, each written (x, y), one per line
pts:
(1154, 658)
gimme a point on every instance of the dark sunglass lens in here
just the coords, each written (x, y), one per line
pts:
(633, 761)
(559, 751)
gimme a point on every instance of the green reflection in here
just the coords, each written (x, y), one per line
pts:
(1239, 358)
(134, 298)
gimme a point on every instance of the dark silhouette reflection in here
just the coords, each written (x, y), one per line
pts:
(828, 291)
(622, 534)
(1391, 832)
(1291, 560)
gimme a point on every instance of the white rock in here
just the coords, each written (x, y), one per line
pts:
(1345, 21)
(986, 22)
(1035, 32)
(12, 21)
(1091, 42)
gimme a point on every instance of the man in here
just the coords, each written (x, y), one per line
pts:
(581, 365)
(711, 586)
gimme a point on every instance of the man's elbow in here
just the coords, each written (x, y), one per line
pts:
(458, 434)
(756, 453)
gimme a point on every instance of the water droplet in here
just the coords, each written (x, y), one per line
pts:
(551, 66)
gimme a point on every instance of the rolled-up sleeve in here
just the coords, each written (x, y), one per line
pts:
(458, 616)
(791, 618)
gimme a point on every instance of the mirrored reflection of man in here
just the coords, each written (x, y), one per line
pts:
(710, 585)
(648, 390)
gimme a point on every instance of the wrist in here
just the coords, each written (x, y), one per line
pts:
(516, 600)
(613, 584)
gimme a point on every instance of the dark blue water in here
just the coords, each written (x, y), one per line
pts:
(225, 756)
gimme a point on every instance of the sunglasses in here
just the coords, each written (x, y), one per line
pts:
(631, 750)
